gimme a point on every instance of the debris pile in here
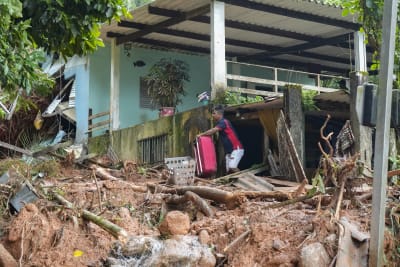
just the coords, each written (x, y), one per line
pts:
(92, 213)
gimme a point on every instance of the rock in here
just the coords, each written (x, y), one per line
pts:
(175, 223)
(314, 255)
(6, 260)
(278, 244)
(149, 251)
(204, 237)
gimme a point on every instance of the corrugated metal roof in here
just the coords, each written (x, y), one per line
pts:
(252, 27)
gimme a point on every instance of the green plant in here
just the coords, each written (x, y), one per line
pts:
(166, 82)
(307, 100)
(235, 98)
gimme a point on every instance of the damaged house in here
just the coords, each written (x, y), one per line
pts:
(247, 48)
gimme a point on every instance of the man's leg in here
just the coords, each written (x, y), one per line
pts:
(234, 160)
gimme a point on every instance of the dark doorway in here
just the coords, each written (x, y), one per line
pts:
(251, 135)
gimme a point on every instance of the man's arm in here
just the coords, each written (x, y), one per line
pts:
(210, 131)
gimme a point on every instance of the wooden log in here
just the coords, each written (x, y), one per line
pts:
(102, 173)
(220, 196)
(195, 199)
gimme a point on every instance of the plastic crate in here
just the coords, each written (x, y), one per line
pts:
(182, 170)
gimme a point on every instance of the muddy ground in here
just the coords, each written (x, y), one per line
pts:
(46, 233)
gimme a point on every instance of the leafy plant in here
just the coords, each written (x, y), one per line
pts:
(307, 100)
(235, 98)
(166, 82)
(31, 29)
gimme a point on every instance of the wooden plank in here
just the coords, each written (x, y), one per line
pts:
(15, 148)
(96, 125)
(298, 168)
(101, 114)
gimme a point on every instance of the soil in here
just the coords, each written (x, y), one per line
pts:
(46, 233)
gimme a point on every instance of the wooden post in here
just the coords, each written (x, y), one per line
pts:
(294, 116)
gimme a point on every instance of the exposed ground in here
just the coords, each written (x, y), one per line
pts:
(46, 233)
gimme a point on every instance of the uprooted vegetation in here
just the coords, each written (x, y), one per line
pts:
(95, 214)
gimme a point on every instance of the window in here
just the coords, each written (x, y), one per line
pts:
(153, 150)
(145, 99)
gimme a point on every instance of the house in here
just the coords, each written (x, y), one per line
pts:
(251, 47)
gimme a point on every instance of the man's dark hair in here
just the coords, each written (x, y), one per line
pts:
(219, 109)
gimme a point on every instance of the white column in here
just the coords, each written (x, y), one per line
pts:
(114, 87)
(360, 51)
(379, 197)
(218, 64)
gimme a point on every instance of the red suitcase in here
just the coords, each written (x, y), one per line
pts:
(206, 160)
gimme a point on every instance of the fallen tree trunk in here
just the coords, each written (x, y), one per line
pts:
(195, 199)
(232, 199)
(110, 227)
(102, 173)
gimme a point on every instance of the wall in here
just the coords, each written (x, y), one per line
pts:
(130, 112)
(181, 129)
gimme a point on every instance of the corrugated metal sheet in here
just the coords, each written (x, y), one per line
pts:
(253, 17)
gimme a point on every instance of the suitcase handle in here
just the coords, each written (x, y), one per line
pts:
(199, 167)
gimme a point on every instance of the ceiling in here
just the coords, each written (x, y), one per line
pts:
(302, 35)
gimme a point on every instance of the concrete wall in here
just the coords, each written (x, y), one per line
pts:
(130, 111)
(181, 130)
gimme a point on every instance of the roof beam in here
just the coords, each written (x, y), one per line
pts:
(164, 24)
(202, 50)
(199, 36)
(238, 25)
(301, 47)
(234, 42)
(293, 14)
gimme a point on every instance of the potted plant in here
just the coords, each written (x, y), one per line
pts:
(166, 84)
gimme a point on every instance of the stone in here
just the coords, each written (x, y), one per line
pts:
(204, 237)
(314, 255)
(175, 223)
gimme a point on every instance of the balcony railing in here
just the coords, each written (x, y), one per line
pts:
(270, 81)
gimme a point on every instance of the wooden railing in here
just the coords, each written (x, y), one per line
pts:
(103, 124)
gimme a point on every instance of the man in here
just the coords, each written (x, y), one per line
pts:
(232, 146)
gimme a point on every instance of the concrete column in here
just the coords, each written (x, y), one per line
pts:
(78, 67)
(114, 86)
(362, 134)
(360, 51)
(218, 64)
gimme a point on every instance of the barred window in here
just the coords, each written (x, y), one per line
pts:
(153, 150)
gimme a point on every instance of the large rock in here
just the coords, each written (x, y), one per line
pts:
(152, 252)
(175, 223)
(314, 255)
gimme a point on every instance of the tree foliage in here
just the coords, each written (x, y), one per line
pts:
(370, 14)
(31, 29)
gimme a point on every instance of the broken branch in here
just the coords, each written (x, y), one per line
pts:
(110, 227)
(237, 240)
